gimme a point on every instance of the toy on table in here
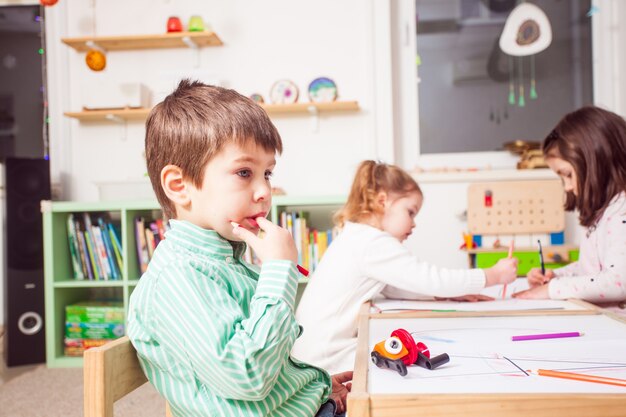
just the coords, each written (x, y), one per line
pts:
(400, 350)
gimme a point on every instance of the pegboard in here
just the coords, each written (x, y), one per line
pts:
(515, 207)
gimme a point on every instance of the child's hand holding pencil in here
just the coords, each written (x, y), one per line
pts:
(503, 272)
(539, 276)
(536, 278)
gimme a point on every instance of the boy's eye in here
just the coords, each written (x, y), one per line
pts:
(268, 174)
(411, 213)
(244, 173)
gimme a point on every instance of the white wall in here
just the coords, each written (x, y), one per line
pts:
(263, 41)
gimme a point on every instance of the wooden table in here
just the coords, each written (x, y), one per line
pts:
(382, 392)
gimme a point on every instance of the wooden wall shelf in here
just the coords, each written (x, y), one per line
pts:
(334, 106)
(142, 113)
(110, 114)
(135, 42)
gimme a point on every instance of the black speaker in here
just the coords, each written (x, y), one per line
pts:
(27, 182)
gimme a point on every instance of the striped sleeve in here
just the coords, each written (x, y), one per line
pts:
(235, 356)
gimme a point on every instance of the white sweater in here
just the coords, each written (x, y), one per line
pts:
(361, 263)
(599, 275)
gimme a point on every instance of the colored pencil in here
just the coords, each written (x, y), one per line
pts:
(581, 377)
(509, 256)
(545, 336)
(543, 265)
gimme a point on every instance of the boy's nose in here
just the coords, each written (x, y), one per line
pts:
(262, 192)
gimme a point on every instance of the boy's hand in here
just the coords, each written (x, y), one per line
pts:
(537, 293)
(340, 391)
(504, 272)
(535, 277)
(276, 244)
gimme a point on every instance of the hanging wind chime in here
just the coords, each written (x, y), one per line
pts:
(526, 32)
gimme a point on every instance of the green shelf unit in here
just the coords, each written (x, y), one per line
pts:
(62, 289)
(526, 260)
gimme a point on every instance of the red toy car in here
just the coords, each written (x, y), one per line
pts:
(400, 350)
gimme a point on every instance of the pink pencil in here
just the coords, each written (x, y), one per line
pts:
(510, 256)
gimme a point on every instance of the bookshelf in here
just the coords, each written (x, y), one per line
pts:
(140, 114)
(320, 210)
(62, 289)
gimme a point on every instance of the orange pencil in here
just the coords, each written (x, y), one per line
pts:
(510, 256)
(581, 377)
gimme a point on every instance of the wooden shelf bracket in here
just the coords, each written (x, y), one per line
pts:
(91, 44)
(121, 121)
(195, 50)
(315, 117)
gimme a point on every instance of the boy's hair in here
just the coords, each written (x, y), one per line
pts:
(593, 140)
(371, 178)
(192, 124)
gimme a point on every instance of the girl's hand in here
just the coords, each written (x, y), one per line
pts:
(471, 298)
(537, 293)
(276, 244)
(535, 277)
(503, 272)
(341, 390)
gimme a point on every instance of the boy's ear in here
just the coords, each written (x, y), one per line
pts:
(174, 186)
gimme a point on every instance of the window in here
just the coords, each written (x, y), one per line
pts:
(466, 81)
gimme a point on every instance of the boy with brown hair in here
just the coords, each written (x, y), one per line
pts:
(213, 333)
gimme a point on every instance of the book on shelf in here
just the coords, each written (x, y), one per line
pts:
(148, 234)
(92, 249)
(310, 242)
(92, 323)
(117, 246)
(142, 246)
(72, 238)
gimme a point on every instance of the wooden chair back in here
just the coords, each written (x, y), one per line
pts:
(110, 372)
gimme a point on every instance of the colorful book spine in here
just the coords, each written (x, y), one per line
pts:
(84, 252)
(117, 247)
(92, 245)
(160, 228)
(150, 243)
(72, 239)
(90, 250)
(142, 247)
(102, 253)
(110, 255)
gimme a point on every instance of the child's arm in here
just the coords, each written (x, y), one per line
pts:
(236, 354)
(607, 285)
(388, 261)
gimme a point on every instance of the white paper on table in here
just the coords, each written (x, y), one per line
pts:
(498, 304)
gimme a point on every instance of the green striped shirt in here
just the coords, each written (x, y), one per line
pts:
(213, 334)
